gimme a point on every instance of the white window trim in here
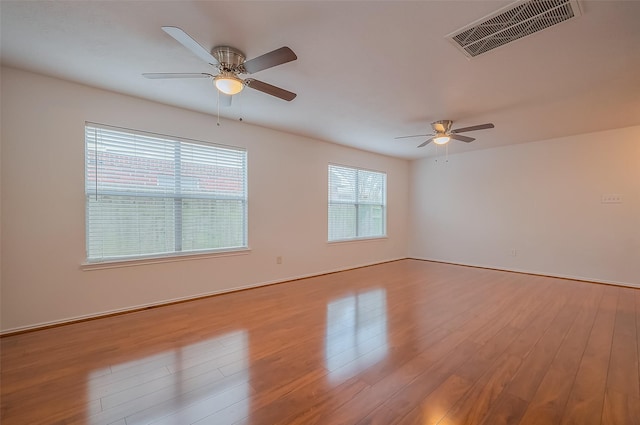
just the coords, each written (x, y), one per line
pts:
(114, 264)
(363, 239)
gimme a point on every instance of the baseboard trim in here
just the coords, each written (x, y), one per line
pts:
(147, 306)
(534, 273)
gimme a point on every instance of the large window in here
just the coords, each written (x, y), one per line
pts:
(149, 195)
(357, 203)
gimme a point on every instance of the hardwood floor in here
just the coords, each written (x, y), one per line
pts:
(407, 342)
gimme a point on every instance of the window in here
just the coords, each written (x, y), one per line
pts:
(357, 203)
(149, 195)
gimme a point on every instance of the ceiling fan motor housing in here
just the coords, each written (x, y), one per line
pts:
(442, 126)
(230, 59)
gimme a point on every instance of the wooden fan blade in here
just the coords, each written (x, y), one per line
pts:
(426, 142)
(163, 75)
(269, 89)
(473, 128)
(465, 139)
(185, 39)
(269, 60)
(417, 135)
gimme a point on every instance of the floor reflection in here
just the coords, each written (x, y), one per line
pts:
(206, 382)
(356, 333)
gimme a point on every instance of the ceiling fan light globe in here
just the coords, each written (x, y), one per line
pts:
(228, 84)
(441, 140)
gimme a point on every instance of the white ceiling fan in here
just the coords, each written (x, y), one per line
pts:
(442, 133)
(229, 63)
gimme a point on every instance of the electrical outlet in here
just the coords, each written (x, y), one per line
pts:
(278, 260)
(611, 198)
(514, 252)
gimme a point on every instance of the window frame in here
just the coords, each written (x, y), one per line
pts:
(356, 203)
(181, 143)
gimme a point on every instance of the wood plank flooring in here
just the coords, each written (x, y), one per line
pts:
(406, 342)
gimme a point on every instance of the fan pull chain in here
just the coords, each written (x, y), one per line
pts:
(218, 105)
(446, 149)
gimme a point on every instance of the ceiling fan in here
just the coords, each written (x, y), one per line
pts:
(230, 63)
(442, 133)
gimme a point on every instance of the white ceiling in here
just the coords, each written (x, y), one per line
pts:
(366, 71)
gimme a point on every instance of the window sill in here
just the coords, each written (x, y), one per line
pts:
(112, 264)
(369, 239)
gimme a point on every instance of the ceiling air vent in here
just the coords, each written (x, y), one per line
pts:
(511, 23)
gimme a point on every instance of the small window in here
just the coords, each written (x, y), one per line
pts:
(357, 203)
(149, 195)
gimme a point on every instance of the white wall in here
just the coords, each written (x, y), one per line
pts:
(542, 199)
(43, 211)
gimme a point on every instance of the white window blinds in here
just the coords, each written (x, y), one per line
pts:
(357, 203)
(149, 195)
